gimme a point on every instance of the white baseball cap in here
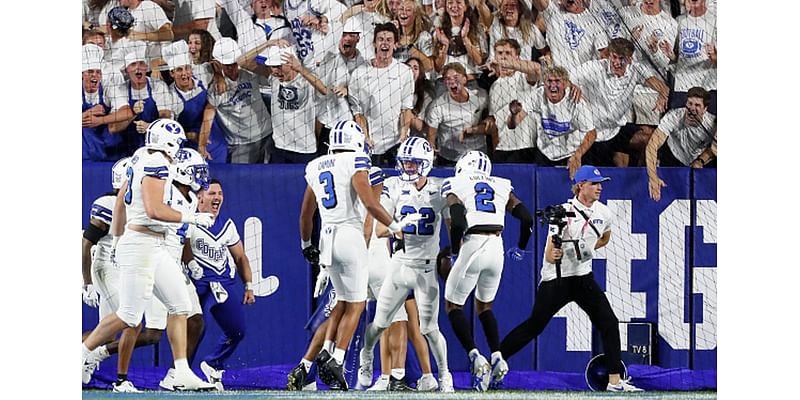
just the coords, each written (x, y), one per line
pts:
(226, 51)
(272, 56)
(176, 54)
(352, 26)
(92, 57)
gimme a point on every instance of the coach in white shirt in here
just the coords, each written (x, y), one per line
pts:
(380, 96)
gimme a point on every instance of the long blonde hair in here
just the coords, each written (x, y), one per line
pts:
(526, 18)
(422, 22)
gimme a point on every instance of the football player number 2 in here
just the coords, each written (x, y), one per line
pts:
(484, 195)
(326, 178)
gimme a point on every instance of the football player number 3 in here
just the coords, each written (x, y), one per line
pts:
(129, 192)
(484, 195)
(326, 178)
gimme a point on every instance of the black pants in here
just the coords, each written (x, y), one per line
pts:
(551, 296)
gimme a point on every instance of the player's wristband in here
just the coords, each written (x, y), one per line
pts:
(304, 244)
(248, 286)
(394, 227)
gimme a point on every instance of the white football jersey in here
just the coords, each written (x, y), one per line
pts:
(178, 232)
(330, 176)
(210, 248)
(484, 197)
(103, 209)
(401, 198)
(375, 178)
(143, 163)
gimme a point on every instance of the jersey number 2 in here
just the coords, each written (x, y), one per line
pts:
(326, 178)
(484, 195)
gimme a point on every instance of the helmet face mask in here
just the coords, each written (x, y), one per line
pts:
(119, 172)
(165, 135)
(474, 162)
(346, 135)
(191, 169)
(414, 159)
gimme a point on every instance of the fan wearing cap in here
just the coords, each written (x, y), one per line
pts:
(292, 105)
(96, 104)
(140, 101)
(586, 232)
(191, 91)
(118, 22)
(235, 104)
(335, 69)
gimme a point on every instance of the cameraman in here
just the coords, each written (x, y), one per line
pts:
(587, 227)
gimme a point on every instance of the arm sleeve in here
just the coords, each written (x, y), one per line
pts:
(521, 213)
(458, 224)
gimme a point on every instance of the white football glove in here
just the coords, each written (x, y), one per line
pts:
(195, 270)
(113, 255)
(322, 282)
(90, 296)
(203, 219)
(410, 219)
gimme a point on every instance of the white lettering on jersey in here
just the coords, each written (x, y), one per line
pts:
(484, 197)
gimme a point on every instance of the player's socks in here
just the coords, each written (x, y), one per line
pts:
(460, 325)
(398, 373)
(489, 324)
(338, 355)
(328, 345)
(306, 364)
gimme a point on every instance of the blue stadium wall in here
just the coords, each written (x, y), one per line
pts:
(662, 258)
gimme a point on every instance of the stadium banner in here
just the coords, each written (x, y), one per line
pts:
(646, 270)
(704, 262)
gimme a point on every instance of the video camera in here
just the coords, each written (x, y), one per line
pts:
(556, 215)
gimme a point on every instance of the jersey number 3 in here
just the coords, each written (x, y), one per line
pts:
(326, 178)
(484, 195)
(129, 192)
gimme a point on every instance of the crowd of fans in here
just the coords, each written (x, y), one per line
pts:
(546, 82)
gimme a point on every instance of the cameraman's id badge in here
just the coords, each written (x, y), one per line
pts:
(326, 235)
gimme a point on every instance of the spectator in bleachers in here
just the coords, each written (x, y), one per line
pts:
(119, 22)
(309, 26)
(328, 25)
(566, 129)
(192, 93)
(140, 101)
(293, 87)
(415, 37)
(606, 13)
(649, 26)
(696, 58)
(366, 16)
(236, 106)
(194, 14)
(380, 96)
(423, 96)
(691, 137)
(267, 22)
(514, 20)
(92, 9)
(455, 119)
(335, 70)
(201, 43)
(573, 34)
(152, 25)
(459, 38)
(96, 104)
(515, 77)
(608, 86)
